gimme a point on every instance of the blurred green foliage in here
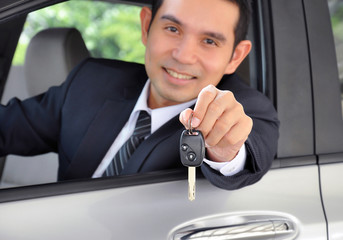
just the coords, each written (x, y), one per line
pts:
(336, 11)
(109, 30)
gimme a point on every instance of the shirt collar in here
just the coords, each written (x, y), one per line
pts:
(159, 116)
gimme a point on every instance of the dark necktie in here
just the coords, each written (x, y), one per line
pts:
(142, 129)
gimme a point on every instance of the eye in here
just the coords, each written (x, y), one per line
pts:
(172, 29)
(210, 42)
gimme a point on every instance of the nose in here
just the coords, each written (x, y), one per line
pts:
(186, 51)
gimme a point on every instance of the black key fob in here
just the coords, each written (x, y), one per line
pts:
(192, 148)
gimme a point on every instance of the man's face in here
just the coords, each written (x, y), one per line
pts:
(188, 46)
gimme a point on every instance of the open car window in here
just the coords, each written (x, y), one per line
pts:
(109, 30)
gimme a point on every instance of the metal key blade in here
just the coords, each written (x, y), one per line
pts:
(191, 183)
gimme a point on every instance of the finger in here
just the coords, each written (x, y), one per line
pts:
(233, 114)
(205, 97)
(221, 127)
(237, 134)
(223, 103)
(184, 117)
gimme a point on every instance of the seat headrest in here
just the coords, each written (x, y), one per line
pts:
(50, 56)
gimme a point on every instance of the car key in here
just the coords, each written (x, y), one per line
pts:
(192, 153)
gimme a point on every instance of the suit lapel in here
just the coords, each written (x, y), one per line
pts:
(141, 154)
(100, 135)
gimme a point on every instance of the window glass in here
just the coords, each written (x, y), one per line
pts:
(109, 30)
(336, 11)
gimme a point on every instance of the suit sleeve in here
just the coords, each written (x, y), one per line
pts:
(261, 143)
(31, 127)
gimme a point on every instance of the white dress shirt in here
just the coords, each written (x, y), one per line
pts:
(159, 117)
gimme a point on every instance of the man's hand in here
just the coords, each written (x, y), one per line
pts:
(222, 121)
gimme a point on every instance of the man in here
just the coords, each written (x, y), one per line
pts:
(190, 45)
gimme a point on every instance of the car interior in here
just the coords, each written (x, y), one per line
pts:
(50, 56)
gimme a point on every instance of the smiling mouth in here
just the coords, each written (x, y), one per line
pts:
(179, 75)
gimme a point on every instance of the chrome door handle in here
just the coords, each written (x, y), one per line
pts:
(239, 226)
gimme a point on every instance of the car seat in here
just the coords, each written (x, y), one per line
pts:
(50, 56)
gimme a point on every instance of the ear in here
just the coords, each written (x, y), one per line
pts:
(145, 23)
(240, 52)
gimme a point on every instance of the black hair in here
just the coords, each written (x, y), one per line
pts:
(242, 26)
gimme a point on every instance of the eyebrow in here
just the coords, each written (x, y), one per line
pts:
(172, 19)
(216, 35)
(220, 37)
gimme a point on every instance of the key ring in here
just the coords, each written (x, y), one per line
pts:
(190, 129)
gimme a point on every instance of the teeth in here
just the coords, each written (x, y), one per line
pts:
(179, 76)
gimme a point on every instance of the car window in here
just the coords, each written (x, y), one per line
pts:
(336, 11)
(109, 30)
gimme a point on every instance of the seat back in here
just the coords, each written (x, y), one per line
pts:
(50, 56)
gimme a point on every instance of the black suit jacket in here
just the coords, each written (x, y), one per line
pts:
(81, 118)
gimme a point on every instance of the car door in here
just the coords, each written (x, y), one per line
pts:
(285, 204)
